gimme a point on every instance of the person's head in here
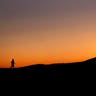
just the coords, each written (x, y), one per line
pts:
(12, 59)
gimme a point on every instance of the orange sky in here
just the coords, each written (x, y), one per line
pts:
(51, 38)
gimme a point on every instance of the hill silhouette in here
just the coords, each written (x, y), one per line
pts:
(58, 71)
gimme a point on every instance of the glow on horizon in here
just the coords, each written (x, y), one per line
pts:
(52, 36)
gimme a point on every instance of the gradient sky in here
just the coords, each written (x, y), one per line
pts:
(47, 31)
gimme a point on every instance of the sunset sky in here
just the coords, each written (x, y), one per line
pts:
(47, 31)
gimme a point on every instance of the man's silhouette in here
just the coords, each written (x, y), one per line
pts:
(12, 63)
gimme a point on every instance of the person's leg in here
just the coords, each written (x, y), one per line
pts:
(13, 65)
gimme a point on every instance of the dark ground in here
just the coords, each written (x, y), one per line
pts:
(74, 71)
